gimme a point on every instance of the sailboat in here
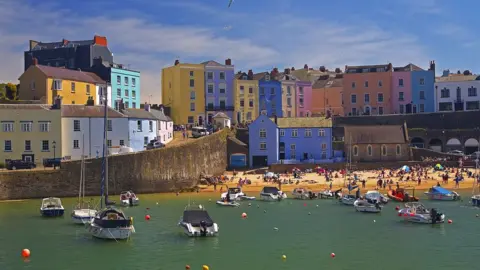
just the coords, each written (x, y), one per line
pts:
(110, 222)
(82, 213)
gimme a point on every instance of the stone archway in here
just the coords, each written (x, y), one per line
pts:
(471, 146)
(417, 142)
(453, 144)
(436, 144)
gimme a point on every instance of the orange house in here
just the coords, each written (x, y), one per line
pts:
(366, 90)
(327, 95)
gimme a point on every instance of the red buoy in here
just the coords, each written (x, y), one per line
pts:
(450, 221)
(399, 214)
(332, 255)
(397, 208)
(25, 253)
(147, 217)
(304, 204)
(187, 267)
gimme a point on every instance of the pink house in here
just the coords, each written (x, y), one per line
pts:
(401, 90)
(304, 98)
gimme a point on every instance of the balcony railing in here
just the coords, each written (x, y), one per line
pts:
(219, 108)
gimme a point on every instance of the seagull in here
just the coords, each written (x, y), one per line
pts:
(230, 3)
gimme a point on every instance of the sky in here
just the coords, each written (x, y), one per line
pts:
(148, 35)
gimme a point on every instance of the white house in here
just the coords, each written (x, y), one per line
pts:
(164, 124)
(142, 127)
(221, 120)
(457, 95)
(84, 125)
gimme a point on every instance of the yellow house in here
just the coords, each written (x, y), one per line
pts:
(245, 97)
(183, 91)
(30, 132)
(45, 83)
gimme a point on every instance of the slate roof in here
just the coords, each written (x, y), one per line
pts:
(58, 44)
(409, 67)
(371, 68)
(221, 115)
(25, 107)
(259, 76)
(212, 63)
(457, 78)
(69, 74)
(303, 122)
(327, 83)
(388, 134)
(139, 113)
(160, 115)
(93, 111)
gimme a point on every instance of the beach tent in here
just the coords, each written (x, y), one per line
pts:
(269, 174)
(438, 167)
(405, 168)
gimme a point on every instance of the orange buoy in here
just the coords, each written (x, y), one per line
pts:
(450, 221)
(25, 253)
(332, 255)
(205, 267)
(397, 208)
(147, 217)
(187, 266)
(244, 215)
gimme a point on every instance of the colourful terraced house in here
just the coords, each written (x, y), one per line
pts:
(245, 95)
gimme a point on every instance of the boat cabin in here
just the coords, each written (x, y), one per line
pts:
(270, 190)
(51, 202)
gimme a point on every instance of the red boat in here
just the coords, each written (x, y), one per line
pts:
(400, 195)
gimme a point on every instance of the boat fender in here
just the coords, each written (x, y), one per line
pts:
(131, 221)
(203, 230)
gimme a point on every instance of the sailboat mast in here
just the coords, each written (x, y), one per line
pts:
(106, 151)
(83, 168)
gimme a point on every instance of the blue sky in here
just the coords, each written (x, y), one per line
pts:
(256, 34)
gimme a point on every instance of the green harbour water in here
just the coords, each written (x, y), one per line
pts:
(359, 240)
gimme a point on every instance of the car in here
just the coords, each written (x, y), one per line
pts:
(154, 145)
(198, 132)
(20, 164)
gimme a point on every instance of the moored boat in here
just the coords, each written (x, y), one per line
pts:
(111, 223)
(228, 203)
(377, 196)
(303, 194)
(401, 195)
(82, 213)
(52, 207)
(272, 194)
(326, 194)
(348, 199)
(236, 194)
(128, 198)
(197, 222)
(417, 213)
(476, 200)
(367, 206)
(442, 194)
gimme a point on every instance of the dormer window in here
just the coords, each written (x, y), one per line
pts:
(267, 77)
(244, 77)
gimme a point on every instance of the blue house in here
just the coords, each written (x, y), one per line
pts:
(269, 94)
(290, 140)
(142, 127)
(423, 92)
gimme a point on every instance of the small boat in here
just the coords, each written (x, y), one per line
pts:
(236, 194)
(377, 196)
(400, 195)
(111, 223)
(52, 207)
(197, 222)
(476, 200)
(82, 212)
(326, 194)
(442, 194)
(272, 194)
(228, 203)
(348, 199)
(417, 213)
(367, 206)
(303, 194)
(128, 198)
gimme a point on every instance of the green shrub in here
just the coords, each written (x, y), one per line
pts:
(2, 165)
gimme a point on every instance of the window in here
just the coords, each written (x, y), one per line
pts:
(402, 108)
(210, 88)
(119, 92)
(422, 108)
(380, 97)
(267, 77)
(76, 144)
(134, 82)
(209, 75)
(192, 107)
(7, 126)
(134, 94)
(300, 102)
(192, 94)
(222, 75)
(28, 145)
(221, 88)
(76, 125)
(472, 105)
(398, 150)
(127, 105)
(126, 92)
(384, 150)
(445, 93)
(369, 150)
(263, 146)
(353, 84)
(109, 143)
(289, 102)
(445, 106)
(308, 132)
(249, 116)
(353, 98)
(192, 83)
(190, 120)
(422, 81)
(44, 126)
(401, 96)
(321, 133)
(262, 91)
(125, 80)
(282, 132)
(139, 125)
(45, 146)
(300, 90)
(422, 94)
(355, 150)
(380, 84)
(400, 82)
(250, 103)
(88, 90)
(222, 104)
(289, 90)
(324, 146)
(263, 133)
(366, 84)
(242, 88)
(192, 73)
(26, 126)
(250, 90)
(150, 126)
(354, 111)
(119, 80)
(210, 106)
(242, 102)
(122, 143)
(109, 125)
(134, 105)
(293, 155)
(472, 92)
(145, 141)
(272, 91)
(367, 98)
(57, 84)
(380, 110)
(7, 146)
(294, 133)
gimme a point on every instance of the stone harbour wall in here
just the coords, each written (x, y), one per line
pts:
(160, 170)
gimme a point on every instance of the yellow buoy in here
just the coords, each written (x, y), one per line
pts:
(284, 257)
(205, 267)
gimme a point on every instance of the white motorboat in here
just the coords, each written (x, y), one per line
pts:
(111, 223)
(327, 194)
(228, 203)
(367, 206)
(236, 194)
(83, 215)
(128, 198)
(348, 199)
(52, 207)
(272, 194)
(442, 194)
(417, 213)
(82, 212)
(303, 194)
(197, 222)
(377, 196)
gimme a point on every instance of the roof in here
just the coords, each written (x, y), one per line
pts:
(456, 78)
(327, 83)
(93, 111)
(59, 44)
(259, 76)
(303, 122)
(371, 68)
(221, 115)
(387, 134)
(310, 75)
(70, 74)
(160, 115)
(409, 67)
(237, 141)
(25, 107)
(139, 113)
(212, 63)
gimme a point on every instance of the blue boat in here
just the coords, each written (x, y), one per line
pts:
(442, 194)
(52, 207)
(476, 200)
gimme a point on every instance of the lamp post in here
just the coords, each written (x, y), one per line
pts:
(54, 143)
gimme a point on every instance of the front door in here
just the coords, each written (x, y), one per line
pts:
(210, 118)
(200, 121)
(28, 158)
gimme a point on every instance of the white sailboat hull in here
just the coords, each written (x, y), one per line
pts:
(135, 202)
(110, 233)
(347, 201)
(83, 216)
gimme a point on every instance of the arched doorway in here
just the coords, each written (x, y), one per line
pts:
(367, 110)
(471, 146)
(436, 145)
(453, 144)
(417, 142)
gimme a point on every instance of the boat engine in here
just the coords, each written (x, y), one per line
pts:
(377, 205)
(203, 228)
(130, 201)
(435, 216)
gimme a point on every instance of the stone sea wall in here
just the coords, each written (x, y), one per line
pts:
(160, 170)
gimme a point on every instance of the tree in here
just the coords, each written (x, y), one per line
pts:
(467, 72)
(11, 91)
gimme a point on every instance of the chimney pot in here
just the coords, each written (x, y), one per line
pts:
(293, 68)
(177, 62)
(35, 61)
(305, 67)
(228, 62)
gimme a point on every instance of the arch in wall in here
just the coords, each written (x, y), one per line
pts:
(454, 142)
(436, 144)
(471, 146)
(417, 142)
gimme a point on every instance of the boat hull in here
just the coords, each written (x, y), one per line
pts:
(347, 201)
(476, 201)
(366, 207)
(400, 199)
(121, 233)
(83, 216)
(229, 204)
(135, 202)
(193, 231)
(271, 197)
(52, 212)
(423, 219)
(442, 197)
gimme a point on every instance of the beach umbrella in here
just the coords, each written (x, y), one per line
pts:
(269, 174)
(405, 168)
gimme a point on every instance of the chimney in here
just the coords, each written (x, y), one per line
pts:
(90, 101)
(293, 68)
(390, 67)
(305, 67)
(146, 107)
(228, 62)
(65, 42)
(57, 103)
(446, 72)
(35, 61)
(338, 70)
(276, 119)
(250, 74)
(177, 62)
(287, 71)
(322, 68)
(99, 40)
(432, 66)
(274, 72)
